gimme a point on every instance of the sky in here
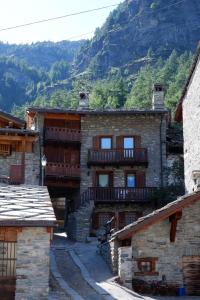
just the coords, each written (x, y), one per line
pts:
(16, 12)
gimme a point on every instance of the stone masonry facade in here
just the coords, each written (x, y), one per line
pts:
(32, 265)
(32, 165)
(191, 129)
(155, 242)
(146, 126)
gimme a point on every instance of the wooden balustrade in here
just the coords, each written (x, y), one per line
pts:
(117, 194)
(62, 170)
(62, 134)
(118, 156)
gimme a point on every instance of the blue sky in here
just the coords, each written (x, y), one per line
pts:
(15, 12)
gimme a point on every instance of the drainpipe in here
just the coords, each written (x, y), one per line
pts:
(161, 158)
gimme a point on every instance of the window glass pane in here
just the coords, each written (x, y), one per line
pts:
(145, 266)
(128, 143)
(106, 143)
(131, 180)
(103, 180)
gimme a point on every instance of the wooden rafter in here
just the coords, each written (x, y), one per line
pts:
(174, 220)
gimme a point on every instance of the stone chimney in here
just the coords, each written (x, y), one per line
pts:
(158, 97)
(196, 179)
(83, 101)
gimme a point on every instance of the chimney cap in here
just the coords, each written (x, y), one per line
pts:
(83, 95)
(158, 87)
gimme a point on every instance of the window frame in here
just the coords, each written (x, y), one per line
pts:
(106, 137)
(126, 178)
(110, 175)
(153, 264)
(129, 136)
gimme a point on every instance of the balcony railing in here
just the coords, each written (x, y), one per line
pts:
(134, 156)
(118, 194)
(62, 170)
(61, 134)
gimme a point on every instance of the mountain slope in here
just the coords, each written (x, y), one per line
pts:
(42, 54)
(139, 31)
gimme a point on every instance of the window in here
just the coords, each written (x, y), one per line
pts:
(106, 143)
(5, 149)
(129, 143)
(130, 180)
(147, 266)
(103, 180)
(7, 259)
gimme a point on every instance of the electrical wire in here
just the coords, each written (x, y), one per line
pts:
(59, 17)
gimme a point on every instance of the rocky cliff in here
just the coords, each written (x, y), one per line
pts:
(139, 31)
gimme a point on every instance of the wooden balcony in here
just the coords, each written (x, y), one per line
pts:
(60, 134)
(61, 170)
(136, 156)
(117, 194)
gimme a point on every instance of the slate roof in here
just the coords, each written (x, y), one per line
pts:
(157, 216)
(19, 131)
(96, 111)
(12, 118)
(28, 206)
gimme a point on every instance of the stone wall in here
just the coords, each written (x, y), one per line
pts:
(125, 266)
(79, 223)
(191, 129)
(32, 166)
(155, 242)
(146, 126)
(32, 265)
(109, 252)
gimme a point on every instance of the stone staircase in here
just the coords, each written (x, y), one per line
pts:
(79, 221)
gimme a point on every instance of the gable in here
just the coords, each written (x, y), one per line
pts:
(9, 121)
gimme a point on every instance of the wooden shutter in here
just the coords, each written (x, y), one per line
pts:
(111, 179)
(95, 220)
(16, 174)
(94, 178)
(140, 179)
(121, 219)
(119, 142)
(137, 140)
(96, 142)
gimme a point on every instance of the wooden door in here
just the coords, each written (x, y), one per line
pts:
(191, 273)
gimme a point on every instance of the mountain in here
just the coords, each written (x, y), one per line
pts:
(42, 54)
(142, 41)
(139, 32)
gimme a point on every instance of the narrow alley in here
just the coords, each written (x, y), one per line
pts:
(78, 272)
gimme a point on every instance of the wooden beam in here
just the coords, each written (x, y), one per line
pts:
(174, 220)
(60, 116)
(17, 138)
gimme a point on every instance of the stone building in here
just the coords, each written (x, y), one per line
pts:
(103, 163)
(19, 152)
(188, 112)
(60, 141)
(160, 252)
(163, 253)
(26, 226)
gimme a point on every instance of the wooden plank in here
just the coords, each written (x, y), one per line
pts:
(61, 116)
(191, 273)
(17, 138)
